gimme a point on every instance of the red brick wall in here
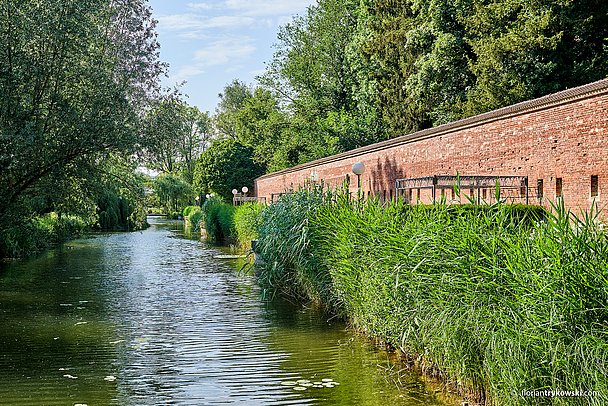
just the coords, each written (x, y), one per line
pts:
(564, 135)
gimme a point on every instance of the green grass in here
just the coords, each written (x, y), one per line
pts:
(496, 299)
(246, 223)
(219, 221)
(39, 233)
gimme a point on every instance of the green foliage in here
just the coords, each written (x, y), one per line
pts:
(75, 76)
(197, 219)
(350, 73)
(246, 219)
(194, 215)
(292, 265)
(233, 98)
(226, 165)
(219, 221)
(442, 60)
(493, 297)
(189, 209)
(172, 191)
(118, 212)
(75, 79)
(39, 233)
(176, 135)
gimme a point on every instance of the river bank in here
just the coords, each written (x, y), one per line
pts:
(495, 300)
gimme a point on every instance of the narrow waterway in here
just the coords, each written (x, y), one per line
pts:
(151, 318)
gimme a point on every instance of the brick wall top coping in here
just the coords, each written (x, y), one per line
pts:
(564, 97)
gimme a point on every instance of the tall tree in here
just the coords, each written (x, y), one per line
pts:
(232, 99)
(176, 134)
(226, 165)
(75, 76)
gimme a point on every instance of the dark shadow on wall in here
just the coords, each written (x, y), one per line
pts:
(382, 176)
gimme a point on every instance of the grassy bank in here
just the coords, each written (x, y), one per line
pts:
(39, 233)
(496, 300)
(225, 223)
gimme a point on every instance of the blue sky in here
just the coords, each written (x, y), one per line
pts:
(209, 43)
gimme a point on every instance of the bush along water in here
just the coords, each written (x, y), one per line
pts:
(32, 235)
(504, 302)
(246, 218)
(193, 217)
(219, 221)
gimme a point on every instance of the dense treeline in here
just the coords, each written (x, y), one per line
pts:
(75, 80)
(349, 73)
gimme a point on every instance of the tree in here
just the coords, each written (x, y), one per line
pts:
(226, 165)
(173, 192)
(75, 76)
(320, 80)
(176, 135)
(231, 101)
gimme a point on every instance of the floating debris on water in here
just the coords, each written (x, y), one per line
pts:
(303, 384)
(116, 342)
(83, 301)
(65, 304)
(55, 338)
(70, 376)
(226, 256)
(80, 404)
(109, 378)
(81, 322)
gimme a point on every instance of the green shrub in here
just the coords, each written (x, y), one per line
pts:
(219, 221)
(196, 219)
(39, 233)
(189, 209)
(246, 219)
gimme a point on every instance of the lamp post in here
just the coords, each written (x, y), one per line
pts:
(198, 200)
(245, 189)
(358, 169)
(234, 193)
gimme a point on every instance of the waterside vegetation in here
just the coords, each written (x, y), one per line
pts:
(495, 300)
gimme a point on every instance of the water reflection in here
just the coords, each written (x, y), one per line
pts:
(151, 318)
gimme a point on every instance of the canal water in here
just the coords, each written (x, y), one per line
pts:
(151, 318)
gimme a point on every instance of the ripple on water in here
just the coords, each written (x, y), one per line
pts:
(165, 323)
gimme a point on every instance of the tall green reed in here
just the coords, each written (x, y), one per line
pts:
(498, 299)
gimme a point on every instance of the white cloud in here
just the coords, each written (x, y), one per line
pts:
(201, 6)
(229, 22)
(187, 72)
(258, 8)
(225, 51)
(230, 52)
(194, 23)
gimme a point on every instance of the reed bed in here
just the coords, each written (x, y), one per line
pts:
(502, 302)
